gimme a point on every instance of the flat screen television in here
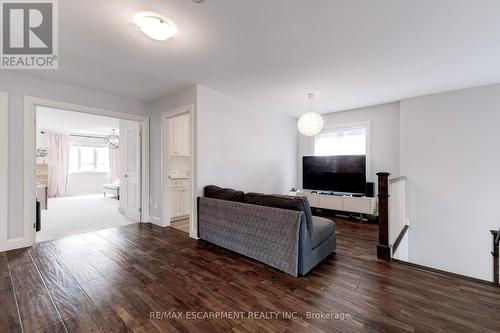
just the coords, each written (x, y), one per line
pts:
(335, 173)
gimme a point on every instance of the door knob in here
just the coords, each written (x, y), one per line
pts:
(126, 176)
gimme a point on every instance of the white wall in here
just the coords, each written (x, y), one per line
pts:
(450, 154)
(172, 101)
(81, 183)
(242, 146)
(17, 86)
(384, 137)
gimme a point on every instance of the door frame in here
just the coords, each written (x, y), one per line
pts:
(30, 104)
(165, 132)
(4, 148)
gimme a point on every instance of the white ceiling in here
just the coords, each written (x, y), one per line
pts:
(61, 121)
(353, 53)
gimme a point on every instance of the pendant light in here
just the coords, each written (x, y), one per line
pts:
(113, 141)
(310, 123)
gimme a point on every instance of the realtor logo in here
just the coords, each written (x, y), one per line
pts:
(29, 34)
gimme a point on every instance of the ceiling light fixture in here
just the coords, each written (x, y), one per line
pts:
(310, 123)
(113, 141)
(155, 26)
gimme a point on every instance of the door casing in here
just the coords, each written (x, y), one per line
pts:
(164, 205)
(30, 104)
(4, 136)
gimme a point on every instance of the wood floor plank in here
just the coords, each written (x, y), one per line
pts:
(73, 259)
(9, 316)
(57, 327)
(122, 313)
(113, 279)
(35, 305)
(69, 298)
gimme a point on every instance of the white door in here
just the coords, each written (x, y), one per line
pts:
(130, 178)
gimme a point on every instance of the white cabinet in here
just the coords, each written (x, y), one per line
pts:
(180, 199)
(176, 199)
(362, 205)
(186, 202)
(179, 135)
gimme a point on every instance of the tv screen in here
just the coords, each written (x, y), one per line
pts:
(335, 173)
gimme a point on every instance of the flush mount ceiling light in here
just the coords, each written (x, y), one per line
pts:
(310, 123)
(155, 26)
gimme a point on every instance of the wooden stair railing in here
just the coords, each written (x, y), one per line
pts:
(496, 240)
(383, 248)
(399, 239)
(391, 233)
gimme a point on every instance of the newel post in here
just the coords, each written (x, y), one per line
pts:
(496, 240)
(383, 248)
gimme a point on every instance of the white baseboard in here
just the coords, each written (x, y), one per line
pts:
(156, 220)
(17, 243)
(193, 234)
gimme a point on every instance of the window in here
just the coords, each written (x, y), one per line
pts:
(88, 159)
(343, 141)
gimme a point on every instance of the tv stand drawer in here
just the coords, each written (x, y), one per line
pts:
(358, 205)
(332, 202)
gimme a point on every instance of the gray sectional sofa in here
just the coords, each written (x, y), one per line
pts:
(279, 231)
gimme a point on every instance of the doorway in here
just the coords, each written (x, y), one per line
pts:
(87, 167)
(83, 166)
(177, 170)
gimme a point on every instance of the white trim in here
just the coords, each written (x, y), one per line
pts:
(156, 220)
(29, 182)
(29, 155)
(338, 127)
(145, 217)
(4, 135)
(165, 221)
(15, 243)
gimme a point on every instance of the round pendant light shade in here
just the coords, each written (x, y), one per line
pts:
(310, 123)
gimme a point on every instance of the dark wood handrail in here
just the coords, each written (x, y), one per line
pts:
(383, 248)
(400, 238)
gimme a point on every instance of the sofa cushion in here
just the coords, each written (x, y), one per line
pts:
(282, 201)
(322, 229)
(215, 192)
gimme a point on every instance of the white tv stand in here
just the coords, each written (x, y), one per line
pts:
(344, 203)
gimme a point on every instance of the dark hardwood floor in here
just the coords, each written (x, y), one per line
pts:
(111, 280)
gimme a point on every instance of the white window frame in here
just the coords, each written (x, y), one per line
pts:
(79, 163)
(345, 126)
